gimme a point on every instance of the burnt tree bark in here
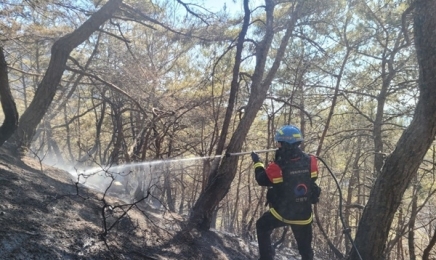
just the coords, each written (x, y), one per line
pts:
(10, 123)
(401, 166)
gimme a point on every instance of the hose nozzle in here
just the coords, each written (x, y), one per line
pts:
(243, 153)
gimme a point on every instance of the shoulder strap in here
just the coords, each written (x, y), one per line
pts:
(313, 167)
(274, 173)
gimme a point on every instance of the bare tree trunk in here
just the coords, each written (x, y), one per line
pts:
(430, 246)
(53, 147)
(234, 214)
(247, 225)
(411, 225)
(207, 202)
(68, 135)
(171, 202)
(46, 91)
(182, 195)
(400, 240)
(220, 179)
(321, 141)
(98, 127)
(401, 166)
(10, 123)
(117, 135)
(168, 192)
(334, 100)
(351, 187)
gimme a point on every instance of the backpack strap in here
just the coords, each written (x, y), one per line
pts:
(313, 167)
(274, 173)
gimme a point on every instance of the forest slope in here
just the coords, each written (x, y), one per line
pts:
(45, 215)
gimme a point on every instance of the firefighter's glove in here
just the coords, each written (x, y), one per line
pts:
(316, 192)
(255, 157)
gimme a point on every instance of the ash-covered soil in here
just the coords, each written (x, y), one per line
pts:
(44, 214)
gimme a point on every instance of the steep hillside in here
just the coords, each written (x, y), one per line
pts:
(45, 215)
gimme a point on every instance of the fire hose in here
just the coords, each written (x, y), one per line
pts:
(243, 153)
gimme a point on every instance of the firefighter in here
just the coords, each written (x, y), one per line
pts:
(292, 190)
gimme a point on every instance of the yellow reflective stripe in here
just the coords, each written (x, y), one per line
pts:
(314, 174)
(277, 180)
(258, 164)
(287, 221)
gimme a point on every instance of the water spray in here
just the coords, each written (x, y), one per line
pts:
(243, 153)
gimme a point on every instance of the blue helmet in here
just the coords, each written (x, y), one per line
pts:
(289, 134)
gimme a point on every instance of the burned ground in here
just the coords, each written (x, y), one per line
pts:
(44, 214)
